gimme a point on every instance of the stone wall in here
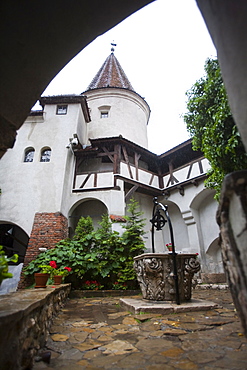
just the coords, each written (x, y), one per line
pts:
(25, 319)
(232, 219)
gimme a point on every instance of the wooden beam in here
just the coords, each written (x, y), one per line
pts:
(151, 179)
(137, 157)
(127, 161)
(95, 180)
(109, 154)
(161, 180)
(104, 154)
(95, 189)
(117, 158)
(172, 178)
(86, 180)
(147, 189)
(200, 166)
(131, 192)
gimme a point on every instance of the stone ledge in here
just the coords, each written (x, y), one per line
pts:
(102, 293)
(136, 306)
(212, 286)
(213, 278)
(25, 319)
(20, 303)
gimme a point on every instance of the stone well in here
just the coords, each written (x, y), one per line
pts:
(155, 274)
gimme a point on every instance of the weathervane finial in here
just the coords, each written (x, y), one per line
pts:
(113, 44)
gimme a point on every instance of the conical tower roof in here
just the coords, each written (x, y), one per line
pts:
(110, 74)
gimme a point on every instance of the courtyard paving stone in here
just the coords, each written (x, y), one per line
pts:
(97, 333)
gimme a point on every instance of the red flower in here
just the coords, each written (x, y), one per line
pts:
(53, 264)
(67, 268)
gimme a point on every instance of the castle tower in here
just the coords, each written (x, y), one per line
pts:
(115, 108)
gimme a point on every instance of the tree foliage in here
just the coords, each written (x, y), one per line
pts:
(212, 127)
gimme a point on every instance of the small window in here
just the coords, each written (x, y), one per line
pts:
(104, 115)
(62, 109)
(29, 155)
(45, 155)
(104, 111)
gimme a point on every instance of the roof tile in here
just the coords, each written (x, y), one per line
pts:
(110, 74)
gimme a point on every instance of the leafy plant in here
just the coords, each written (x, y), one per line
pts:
(119, 286)
(4, 267)
(63, 254)
(54, 270)
(92, 285)
(211, 125)
(169, 246)
(100, 255)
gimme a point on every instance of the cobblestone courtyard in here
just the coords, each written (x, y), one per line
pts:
(96, 333)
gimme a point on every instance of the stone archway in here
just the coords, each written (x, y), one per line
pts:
(204, 208)
(214, 257)
(14, 240)
(89, 207)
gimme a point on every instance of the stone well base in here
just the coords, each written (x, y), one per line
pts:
(136, 306)
(155, 275)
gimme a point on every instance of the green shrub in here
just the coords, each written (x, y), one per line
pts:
(100, 255)
(4, 265)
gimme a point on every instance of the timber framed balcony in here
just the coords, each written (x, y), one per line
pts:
(116, 163)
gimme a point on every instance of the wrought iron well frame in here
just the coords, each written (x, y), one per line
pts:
(158, 221)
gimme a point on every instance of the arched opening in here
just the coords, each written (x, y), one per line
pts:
(45, 155)
(204, 208)
(14, 240)
(29, 155)
(214, 257)
(90, 207)
(180, 232)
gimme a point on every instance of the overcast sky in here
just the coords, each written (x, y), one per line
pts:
(162, 48)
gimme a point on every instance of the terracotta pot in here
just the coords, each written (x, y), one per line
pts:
(41, 280)
(57, 279)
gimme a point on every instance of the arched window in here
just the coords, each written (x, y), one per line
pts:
(29, 154)
(45, 155)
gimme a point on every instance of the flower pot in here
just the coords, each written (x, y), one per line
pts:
(41, 280)
(57, 279)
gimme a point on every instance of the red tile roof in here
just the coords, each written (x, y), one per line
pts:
(110, 74)
(115, 218)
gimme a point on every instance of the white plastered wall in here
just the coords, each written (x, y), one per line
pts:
(30, 187)
(204, 208)
(128, 115)
(192, 216)
(113, 201)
